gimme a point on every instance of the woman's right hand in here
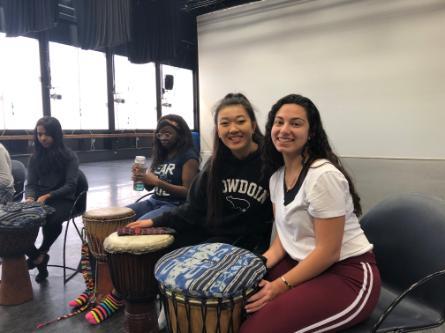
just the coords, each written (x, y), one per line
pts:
(140, 224)
(29, 199)
(137, 173)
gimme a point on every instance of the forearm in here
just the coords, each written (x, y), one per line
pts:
(177, 190)
(31, 183)
(69, 187)
(180, 218)
(192, 212)
(275, 252)
(313, 265)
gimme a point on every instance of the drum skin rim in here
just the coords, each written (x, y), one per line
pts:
(213, 301)
(160, 245)
(107, 220)
(112, 213)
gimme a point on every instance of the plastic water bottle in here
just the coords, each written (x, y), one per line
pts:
(139, 162)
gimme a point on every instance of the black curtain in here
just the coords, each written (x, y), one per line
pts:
(102, 23)
(154, 31)
(24, 16)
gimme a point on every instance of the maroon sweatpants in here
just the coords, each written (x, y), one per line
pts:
(342, 296)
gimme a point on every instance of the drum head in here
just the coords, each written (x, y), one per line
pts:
(110, 213)
(136, 244)
(210, 270)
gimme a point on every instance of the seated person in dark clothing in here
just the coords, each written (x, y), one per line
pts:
(174, 165)
(52, 179)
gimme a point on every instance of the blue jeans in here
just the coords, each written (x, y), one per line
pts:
(150, 208)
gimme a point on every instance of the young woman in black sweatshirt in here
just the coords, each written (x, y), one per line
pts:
(229, 200)
(52, 179)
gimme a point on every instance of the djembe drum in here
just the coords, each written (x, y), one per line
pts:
(131, 260)
(19, 226)
(205, 287)
(99, 224)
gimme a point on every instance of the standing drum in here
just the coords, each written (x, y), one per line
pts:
(19, 226)
(131, 260)
(99, 224)
(205, 287)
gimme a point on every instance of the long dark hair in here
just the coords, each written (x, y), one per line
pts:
(221, 153)
(317, 146)
(183, 143)
(56, 156)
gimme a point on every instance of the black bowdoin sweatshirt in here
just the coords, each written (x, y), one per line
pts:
(246, 211)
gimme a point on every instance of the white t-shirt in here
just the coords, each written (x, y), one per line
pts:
(324, 194)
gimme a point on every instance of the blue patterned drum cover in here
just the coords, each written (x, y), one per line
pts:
(21, 215)
(19, 226)
(213, 270)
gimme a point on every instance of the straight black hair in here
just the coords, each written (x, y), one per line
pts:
(57, 155)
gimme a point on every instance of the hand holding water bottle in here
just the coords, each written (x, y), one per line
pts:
(138, 171)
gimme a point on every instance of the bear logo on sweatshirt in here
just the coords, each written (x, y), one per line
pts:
(237, 203)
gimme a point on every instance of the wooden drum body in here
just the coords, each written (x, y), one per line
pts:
(19, 226)
(205, 287)
(192, 314)
(131, 260)
(99, 224)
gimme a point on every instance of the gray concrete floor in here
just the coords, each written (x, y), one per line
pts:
(110, 185)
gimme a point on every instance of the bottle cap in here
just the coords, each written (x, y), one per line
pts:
(139, 159)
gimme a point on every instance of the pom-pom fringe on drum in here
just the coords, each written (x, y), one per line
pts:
(205, 286)
(99, 224)
(131, 260)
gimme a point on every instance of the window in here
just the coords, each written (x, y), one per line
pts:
(93, 90)
(79, 87)
(179, 99)
(134, 95)
(20, 88)
(64, 90)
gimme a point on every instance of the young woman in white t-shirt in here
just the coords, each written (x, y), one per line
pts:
(322, 275)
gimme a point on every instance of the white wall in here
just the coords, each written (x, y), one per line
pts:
(375, 68)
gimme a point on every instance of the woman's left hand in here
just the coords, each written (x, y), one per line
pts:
(151, 179)
(43, 198)
(269, 290)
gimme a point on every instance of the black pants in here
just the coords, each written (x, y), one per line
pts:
(53, 226)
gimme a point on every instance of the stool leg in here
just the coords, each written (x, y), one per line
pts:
(15, 287)
(141, 317)
(104, 286)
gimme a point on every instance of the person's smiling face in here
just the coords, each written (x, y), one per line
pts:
(290, 130)
(167, 136)
(235, 129)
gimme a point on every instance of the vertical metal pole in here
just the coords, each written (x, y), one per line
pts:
(110, 89)
(45, 72)
(159, 85)
(196, 98)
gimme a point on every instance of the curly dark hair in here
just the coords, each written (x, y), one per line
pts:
(57, 155)
(317, 146)
(183, 143)
(221, 153)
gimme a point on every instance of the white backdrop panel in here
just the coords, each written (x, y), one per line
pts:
(375, 68)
